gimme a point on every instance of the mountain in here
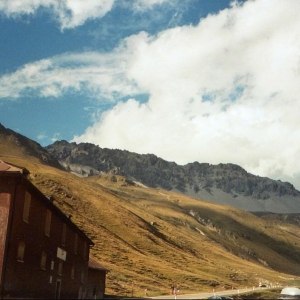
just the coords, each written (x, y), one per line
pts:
(226, 184)
(15, 144)
(150, 238)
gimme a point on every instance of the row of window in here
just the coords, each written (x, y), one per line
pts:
(26, 210)
(20, 258)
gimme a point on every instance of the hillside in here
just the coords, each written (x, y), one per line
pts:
(227, 184)
(150, 238)
(15, 144)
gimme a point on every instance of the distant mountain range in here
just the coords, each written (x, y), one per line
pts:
(226, 184)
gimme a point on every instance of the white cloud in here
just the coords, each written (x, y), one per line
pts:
(17, 7)
(146, 4)
(95, 74)
(82, 10)
(226, 90)
(42, 136)
(69, 13)
(56, 137)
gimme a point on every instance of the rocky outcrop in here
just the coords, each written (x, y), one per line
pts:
(234, 180)
(224, 183)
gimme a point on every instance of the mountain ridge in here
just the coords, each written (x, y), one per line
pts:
(227, 184)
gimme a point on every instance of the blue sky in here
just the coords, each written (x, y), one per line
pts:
(30, 37)
(196, 80)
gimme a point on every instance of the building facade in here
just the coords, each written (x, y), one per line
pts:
(43, 254)
(96, 280)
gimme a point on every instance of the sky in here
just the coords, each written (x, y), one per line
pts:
(212, 81)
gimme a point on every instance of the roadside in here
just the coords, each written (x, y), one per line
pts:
(253, 293)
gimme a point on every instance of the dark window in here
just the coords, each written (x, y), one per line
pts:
(75, 242)
(64, 234)
(57, 289)
(43, 260)
(85, 251)
(73, 272)
(60, 267)
(82, 276)
(48, 223)
(26, 209)
(21, 251)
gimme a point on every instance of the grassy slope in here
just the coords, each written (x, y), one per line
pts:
(149, 239)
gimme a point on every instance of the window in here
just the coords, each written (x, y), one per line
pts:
(57, 289)
(82, 276)
(85, 251)
(75, 242)
(52, 265)
(43, 260)
(26, 209)
(64, 234)
(60, 266)
(48, 223)
(73, 272)
(21, 251)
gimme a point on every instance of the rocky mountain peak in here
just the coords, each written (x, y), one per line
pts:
(223, 183)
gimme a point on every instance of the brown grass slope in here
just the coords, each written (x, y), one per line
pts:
(151, 238)
(17, 145)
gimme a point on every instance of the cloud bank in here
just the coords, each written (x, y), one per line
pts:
(226, 90)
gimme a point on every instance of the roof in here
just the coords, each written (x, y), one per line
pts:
(95, 265)
(5, 167)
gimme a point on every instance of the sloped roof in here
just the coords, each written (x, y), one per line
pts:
(5, 167)
(94, 264)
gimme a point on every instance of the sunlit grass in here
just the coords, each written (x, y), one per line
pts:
(150, 239)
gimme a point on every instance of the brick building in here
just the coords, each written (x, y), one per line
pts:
(96, 282)
(43, 254)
